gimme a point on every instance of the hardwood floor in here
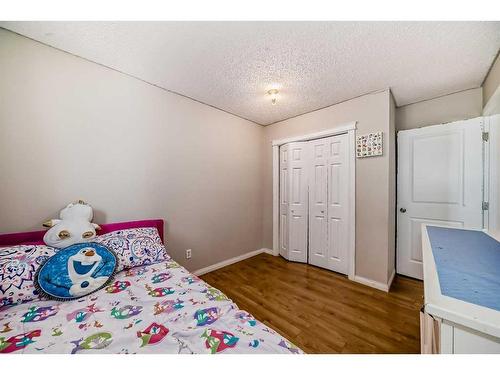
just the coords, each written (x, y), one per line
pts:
(322, 311)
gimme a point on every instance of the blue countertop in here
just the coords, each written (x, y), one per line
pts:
(467, 264)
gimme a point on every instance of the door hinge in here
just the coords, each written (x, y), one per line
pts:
(486, 136)
(486, 206)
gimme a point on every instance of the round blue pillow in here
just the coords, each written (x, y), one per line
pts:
(76, 271)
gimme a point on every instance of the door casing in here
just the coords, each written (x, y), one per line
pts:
(350, 130)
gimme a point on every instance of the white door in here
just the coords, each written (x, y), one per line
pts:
(338, 204)
(328, 203)
(283, 216)
(440, 176)
(294, 204)
(318, 204)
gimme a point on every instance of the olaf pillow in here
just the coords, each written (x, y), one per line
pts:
(76, 271)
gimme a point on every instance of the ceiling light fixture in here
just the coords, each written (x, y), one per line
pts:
(274, 95)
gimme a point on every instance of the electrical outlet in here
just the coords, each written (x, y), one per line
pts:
(188, 254)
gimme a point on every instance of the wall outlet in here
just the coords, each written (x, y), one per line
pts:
(188, 254)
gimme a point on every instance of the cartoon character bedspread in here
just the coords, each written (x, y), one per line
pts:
(160, 308)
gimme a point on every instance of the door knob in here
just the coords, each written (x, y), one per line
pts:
(402, 209)
(322, 211)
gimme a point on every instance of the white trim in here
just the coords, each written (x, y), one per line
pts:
(352, 202)
(391, 279)
(493, 167)
(227, 262)
(341, 129)
(269, 251)
(486, 170)
(350, 129)
(493, 105)
(446, 341)
(276, 208)
(373, 283)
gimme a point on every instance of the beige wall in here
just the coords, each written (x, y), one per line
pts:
(492, 81)
(72, 129)
(459, 106)
(372, 112)
(150, 153)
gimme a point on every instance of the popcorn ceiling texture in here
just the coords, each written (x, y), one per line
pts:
(231, 65)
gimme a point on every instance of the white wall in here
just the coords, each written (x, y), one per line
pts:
(71, 129)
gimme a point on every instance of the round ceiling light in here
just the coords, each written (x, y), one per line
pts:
(273, 93)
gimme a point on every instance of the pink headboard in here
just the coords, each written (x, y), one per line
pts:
(36, 238)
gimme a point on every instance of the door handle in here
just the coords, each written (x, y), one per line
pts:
(402, 210)
(322, 211)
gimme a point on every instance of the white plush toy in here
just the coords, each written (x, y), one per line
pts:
(74, 226)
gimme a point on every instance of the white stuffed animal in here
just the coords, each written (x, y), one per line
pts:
(74, 226)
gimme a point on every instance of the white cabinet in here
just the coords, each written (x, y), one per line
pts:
(314, 202)
(456, 339)
(466, 341)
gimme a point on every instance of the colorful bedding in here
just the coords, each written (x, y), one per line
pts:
(159, 308)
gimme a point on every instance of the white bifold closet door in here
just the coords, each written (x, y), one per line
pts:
(293, 201)
(314, 202)
(328, 202)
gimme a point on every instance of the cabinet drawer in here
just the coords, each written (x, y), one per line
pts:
(467, 341)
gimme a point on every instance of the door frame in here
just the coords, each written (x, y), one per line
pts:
(491, 174)
(346, 128)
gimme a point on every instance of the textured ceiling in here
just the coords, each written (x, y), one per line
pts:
(231, 65)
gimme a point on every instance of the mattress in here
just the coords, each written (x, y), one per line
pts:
(160, 308)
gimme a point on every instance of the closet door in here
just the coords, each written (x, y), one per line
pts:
(338, 208)
(297, 201)
(328, 203)
(318, 195)
(284, 189)
(314, 202)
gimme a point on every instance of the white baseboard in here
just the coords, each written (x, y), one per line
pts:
(227, 262)
(269, 251)
(239, 258)
(391, 279)
(375, 284)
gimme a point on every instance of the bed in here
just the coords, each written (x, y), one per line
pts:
(156, 308)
